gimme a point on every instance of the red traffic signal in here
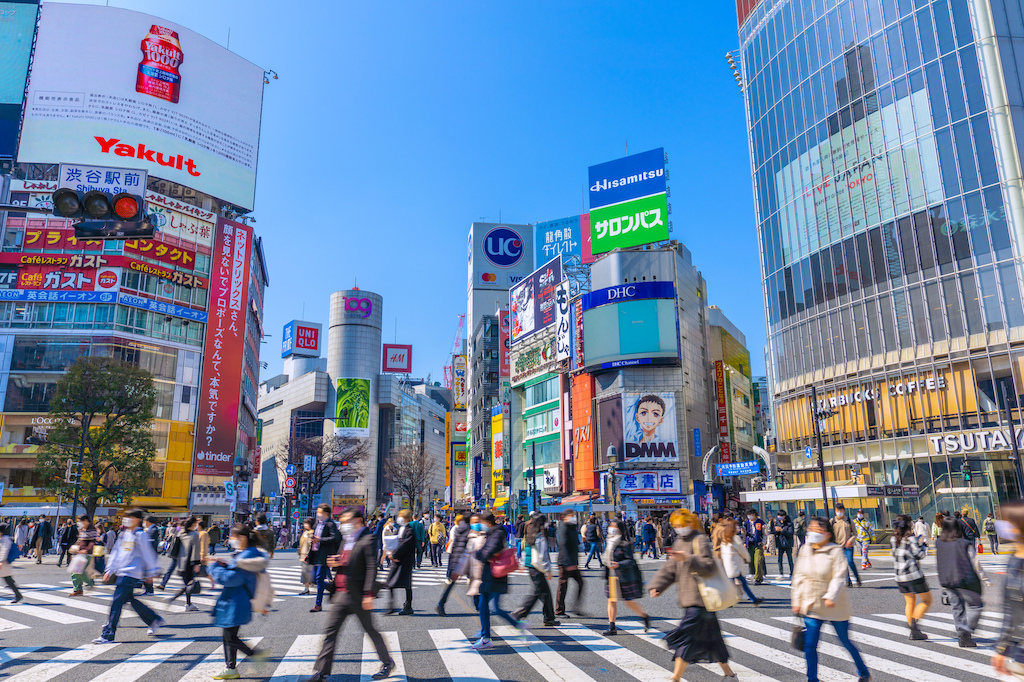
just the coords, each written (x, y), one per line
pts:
(344, 462)
(104, 216)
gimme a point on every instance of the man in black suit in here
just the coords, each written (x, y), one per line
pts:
(42, 537)
(326, 541)
(66, 536)
(356, 567)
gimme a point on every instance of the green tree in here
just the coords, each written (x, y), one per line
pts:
(115, 403)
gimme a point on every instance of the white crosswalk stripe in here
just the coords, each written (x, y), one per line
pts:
(983, 669)
(44, 593)
(628, 661)
(46, 614)
(371, 664)
(549, 663)
(938, 625)
(299, 660)
(10, 625)
(12, 652)
(904, 632)
(59, 665)
(463, 663)
(143, 662)
(214, 663)
(784, 659)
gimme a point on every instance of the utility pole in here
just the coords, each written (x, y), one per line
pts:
(819, 416)
(78, 476)
(1013, 442)
(533, 478)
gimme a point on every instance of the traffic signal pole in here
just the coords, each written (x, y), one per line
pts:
(1013, 442)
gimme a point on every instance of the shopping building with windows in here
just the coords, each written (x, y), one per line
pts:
(887, 181)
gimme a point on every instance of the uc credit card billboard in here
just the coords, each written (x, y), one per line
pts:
(114, 87)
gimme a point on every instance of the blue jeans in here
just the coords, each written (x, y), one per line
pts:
(851, 564)
(124, 593)
(489, 601)
(594, 551)
(746, 587)
(320, 574)
(842, 627)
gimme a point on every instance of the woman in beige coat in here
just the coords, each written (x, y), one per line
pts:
(820, 595)
(698, 636)
(305, 545)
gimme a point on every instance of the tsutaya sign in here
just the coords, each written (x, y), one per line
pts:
(868, 392)
(975, 441)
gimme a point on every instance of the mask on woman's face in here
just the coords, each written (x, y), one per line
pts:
(860, 516)
(346, 529)
(477, 527)
(321, 517)
(81, 525)
(816, 538)
(233, 542)
(403, 522)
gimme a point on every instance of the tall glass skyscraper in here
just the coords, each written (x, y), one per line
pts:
(887, 177)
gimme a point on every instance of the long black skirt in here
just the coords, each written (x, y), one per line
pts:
(698, 638)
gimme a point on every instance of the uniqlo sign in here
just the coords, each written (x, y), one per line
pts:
(397, 358)
(301, 338)
(224, 352)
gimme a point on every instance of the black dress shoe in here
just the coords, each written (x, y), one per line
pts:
(316, 678)
(440, 610)
(316, 608)
(385, 671)
(610, 631)
(405, 612)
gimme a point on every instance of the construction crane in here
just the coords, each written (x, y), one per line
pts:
(456, 349)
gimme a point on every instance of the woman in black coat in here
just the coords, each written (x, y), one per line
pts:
(402, 561)
(492, 587)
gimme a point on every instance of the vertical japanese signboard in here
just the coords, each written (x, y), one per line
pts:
(224, 351)
(459, 381)
(497, 452)
(505, 344)
(722, 413)
(563, 322)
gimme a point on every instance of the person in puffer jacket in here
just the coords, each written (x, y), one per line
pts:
(233, 608)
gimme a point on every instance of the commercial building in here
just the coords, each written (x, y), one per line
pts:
(886, 172)
(727, 347)
(187, 305)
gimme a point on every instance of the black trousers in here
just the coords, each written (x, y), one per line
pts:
(342, 606)
(435, 553)
(788, 551)
(63, 553)
(232, 645)
(14, 588)
(565, 574)
(408, 597)
(541, 592)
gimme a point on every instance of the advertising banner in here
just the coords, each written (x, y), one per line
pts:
(578, 359)
(609, 412)
(722, 413)
(497, 454)
(631, 223)
(17, 28)
(92, 261)
(649, 425)
(504, 344)
(563, 322)
(552, 479)
(168, 254)
(460, 380)
(397, 358)
(151, 95)
(353, 408)
(448, 450)
(561, 237)
(628, 292)
(224, 351)
(499, 255)
(532, 301)
(639, 175)
(587, 250)
(749, 468)
(161, 307)
(584, 431)
(531, 362)
(301, 338)
(660, 482)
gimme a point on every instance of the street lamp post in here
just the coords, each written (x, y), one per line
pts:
(1013, 442)
(818, 416)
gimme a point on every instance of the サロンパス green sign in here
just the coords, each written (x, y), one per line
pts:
(630, 223)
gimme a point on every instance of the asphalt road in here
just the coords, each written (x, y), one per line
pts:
(48, 636)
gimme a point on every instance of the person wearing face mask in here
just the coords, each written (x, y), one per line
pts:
(799, 530)
(625, 583)
(753, 528)
(907, 552)
(189, 561)
(132, 561)
(66, 536)
(960, 573)
(475, 540)
(865, 535)
(458, 559)
(403, 558)
(6, 542)
(845, 535)
(491, 586)
(326, 540)
(698, 637)
(1009, 648)
(782, 529)
(568, 563)
(729, 548)
(989, 526)
(820, 595)
(86, 540)
(540, 573)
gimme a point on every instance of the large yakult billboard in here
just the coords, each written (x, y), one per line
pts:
(113, 87)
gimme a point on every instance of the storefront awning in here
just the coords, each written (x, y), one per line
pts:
(500, 502)
(580, 498)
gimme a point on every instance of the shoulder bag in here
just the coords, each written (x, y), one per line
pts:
(717, 590)
(504, 562)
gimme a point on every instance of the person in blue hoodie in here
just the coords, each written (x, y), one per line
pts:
(132, 562)
(233, 608)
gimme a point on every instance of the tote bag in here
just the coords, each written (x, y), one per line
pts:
(717, 590)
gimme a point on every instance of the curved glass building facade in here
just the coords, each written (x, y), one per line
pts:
(884, 141)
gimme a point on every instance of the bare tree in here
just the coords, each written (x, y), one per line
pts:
(335, 457)
(411, 471)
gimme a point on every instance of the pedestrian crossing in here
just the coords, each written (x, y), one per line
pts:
(570, 652)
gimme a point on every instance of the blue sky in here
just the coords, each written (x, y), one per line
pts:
(396, 124)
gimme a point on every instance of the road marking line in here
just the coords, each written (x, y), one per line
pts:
(937, 625)
(46, 614)
(982, 669)
(463, 663)
(59, 665)
(214, 663)
(371, 664)
(631, 663)
(144, 661)
(549, 663)
(8, 654)
(784, 659)
(299, 660)
(72, 602)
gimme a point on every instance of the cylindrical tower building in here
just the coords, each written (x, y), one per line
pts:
(884, 144)
(353, 364)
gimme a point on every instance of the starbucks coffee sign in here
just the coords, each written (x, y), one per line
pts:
(975, 441)
(874, 391)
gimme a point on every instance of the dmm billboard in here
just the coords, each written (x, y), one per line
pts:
(150, 94)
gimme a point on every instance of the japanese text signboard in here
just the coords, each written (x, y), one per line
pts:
(532, 301)
(563, 322)
(631, 223)
(504, 343)
(722, 413)
(224, 351)
(659, 482)
(560, 237)
(110, 180)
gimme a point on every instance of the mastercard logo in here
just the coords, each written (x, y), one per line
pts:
(489, 277)
(107, 279)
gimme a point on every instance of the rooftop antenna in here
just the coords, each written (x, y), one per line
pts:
(499, 215)
(627, 147)
(229, 34)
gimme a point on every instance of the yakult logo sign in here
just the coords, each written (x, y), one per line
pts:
(503, 247)
(358, 307)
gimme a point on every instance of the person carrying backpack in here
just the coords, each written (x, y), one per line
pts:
(990, 530)
(594, 540)
(234, 608)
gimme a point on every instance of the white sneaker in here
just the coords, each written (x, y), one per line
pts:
(102, 640)
(481, 644)
(155, 627)
(730, 678)
(191, 607)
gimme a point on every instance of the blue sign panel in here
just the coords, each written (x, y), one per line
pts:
(628, 178)
(288, 339)
(163, 308)
(807, 451)
(290, 470)
(697, 452)
(557, 237)
(59, 296)
(625, 363)
(751, 468)
(478, 466)
(629, 292)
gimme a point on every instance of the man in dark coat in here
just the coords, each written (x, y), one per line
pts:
(402, 561)
(214, 538)
(568, 562)
(459, 538)
(66, 536)
(782, 529)
(42, 537)
(326, 540)
(356, 567)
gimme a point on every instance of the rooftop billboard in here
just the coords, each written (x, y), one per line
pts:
(630, 177)
(17, 26)
(149, 94)
(532, 301)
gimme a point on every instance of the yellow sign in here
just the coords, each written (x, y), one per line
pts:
(497, 454)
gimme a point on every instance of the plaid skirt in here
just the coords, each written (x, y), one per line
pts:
(624, 590)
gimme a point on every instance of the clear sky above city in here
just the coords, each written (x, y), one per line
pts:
(396, 124)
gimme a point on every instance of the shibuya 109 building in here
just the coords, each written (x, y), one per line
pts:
(884, 138)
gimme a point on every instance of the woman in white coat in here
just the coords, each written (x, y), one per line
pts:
(729, 548)
(6, 542)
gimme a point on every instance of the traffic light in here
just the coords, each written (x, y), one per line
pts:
(104, 216)
(965, 469)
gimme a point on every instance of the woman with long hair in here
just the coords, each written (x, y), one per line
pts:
(729, 548)
(87, 537)
(907, 550)
(403, 559)
(624, 580)
(820, 595)
(189, 560)
(540, 572)
(491, 586)
(698, 636)
(305, 544)
(956, 559)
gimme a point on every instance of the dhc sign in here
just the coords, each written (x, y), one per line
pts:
(629, 292)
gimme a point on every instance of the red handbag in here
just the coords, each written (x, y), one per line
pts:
(504, 562)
